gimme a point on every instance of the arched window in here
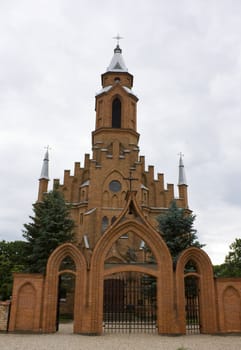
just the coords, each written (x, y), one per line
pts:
(113, 219)
(67, 264)
(105, 223)
(190, 266)
(116, 113)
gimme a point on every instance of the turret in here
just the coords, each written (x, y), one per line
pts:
(44, 177)
(182, 182)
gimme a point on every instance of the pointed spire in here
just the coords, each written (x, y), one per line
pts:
(45, 166)
(117, 63)
(182, 177)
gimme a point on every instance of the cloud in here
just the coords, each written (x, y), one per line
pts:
(185, 58)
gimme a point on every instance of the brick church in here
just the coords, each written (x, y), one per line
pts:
(121, 267)
(98, 190)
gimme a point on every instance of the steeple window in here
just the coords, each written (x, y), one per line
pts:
(116, 113)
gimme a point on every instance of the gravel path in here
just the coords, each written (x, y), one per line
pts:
(64, 340)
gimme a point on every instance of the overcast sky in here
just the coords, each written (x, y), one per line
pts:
(186, 60)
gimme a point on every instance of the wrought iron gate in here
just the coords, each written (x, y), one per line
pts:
(192, 305)
(130, 303)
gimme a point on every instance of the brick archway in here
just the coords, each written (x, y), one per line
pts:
(51, 287)
(163, 272)
(207, 290)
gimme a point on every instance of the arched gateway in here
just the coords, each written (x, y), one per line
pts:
(52, 280)
(132, 223)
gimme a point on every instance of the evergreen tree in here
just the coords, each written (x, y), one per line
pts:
(50, 227)
(12, 259)
(176, 228)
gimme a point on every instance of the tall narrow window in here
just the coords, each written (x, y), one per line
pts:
(113, 219)
(116, 113)
(105, 223)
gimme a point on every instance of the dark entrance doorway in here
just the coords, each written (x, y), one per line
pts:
(130, 303)
(65, 302)
(192, 305)
(66, 293)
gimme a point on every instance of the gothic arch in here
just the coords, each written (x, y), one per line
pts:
(51, 285)
(112, 175)
(231, 301)
(27, 298)
(164, 271)
(26, 307)
(207, 291)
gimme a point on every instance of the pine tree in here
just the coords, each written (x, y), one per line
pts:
(50, 227)
(176, 228)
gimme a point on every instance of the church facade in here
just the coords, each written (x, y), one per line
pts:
(97, 191)
(122, 269)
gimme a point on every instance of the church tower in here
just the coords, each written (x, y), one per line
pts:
(116, 108)
(97, 191)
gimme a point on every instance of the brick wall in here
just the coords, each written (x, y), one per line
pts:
(228, 294)
(4, 311)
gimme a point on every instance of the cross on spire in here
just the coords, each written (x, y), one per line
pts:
(47, 147)
(118, 38)
(130, 179)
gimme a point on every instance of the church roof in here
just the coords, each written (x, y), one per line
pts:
(107, 88)
(117, 63)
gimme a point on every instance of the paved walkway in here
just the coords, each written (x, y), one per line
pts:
(65, 340)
